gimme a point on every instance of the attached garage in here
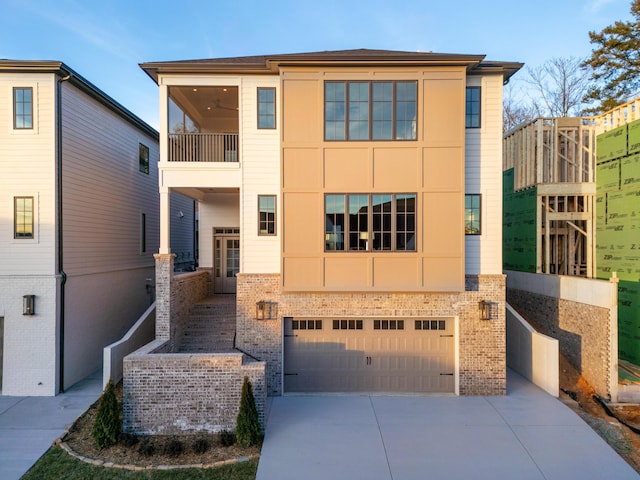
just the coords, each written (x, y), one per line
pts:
(402, 355)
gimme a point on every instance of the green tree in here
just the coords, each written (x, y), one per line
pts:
(248, 430)
(107, 425)
(615, 63)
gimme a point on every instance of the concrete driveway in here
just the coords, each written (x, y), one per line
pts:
(524, 435)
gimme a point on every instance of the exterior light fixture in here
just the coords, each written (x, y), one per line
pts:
(266, 310)
(29, 305)
(488, 310)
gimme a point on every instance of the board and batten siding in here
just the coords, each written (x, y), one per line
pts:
(483, 175)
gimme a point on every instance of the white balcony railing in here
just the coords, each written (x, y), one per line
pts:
(203, 147)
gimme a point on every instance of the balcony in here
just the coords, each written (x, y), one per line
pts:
(203, 147)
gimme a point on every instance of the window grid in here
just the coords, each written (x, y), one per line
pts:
(266, 108)
(371, 110)
(405, 222)
(266, 214)
(347, 324)
(472, 214)
(306, 324)
(388, 324)
(472, 107)
(23, 108)
(143, 158)
(431, 325)
(23, 217)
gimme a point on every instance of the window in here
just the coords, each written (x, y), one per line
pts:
(266, 108)
(472, 214)
(22, 108)
(347, 324)
(370, 222)
(370, 110)
(266, 214)
(306, 325)
(143, 233)
(23, 217)
(143, 156)
(472, 108)
(431, 325)
(388, 324)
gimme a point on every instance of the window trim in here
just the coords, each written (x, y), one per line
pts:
(370, 111)
(259, 103)
(143, 164)
(479, 209)
(275, 217)
(32, 236)
(467, 103)
(15, 110)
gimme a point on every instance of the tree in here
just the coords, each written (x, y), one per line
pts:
(560, 85)
(248, 430)
(107, 426)
(615, 63)
(515, 112)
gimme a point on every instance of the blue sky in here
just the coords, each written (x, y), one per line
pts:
(105, 40)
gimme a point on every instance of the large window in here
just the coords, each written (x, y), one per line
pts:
(370, 222)
(472, 108)
(266, 108)
(22, 108)
(266, 214)
(143, 158)
(370, 110)
(23, 217)
(472, 214)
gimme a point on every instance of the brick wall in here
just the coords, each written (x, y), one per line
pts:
(482, 349)
(166, 394)
(583, 331)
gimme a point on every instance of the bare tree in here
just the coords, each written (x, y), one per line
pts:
(561, 84)
(516, 112)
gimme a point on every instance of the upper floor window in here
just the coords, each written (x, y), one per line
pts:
(370, 222)
(472, 214)
(370, 110)
(22, 108)
(266, 108)
(266, 214)
(472, 108)
(143, 156)
(23, 217)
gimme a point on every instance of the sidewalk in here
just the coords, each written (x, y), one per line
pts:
(29, 425)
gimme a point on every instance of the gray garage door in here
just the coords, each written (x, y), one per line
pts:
(369, 355)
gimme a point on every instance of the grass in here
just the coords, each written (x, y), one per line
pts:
(57, 464)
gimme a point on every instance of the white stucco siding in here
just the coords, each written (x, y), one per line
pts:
(27, 168)
(260, 176)
(483, 175)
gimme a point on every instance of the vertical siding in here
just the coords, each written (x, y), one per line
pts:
(483, 165)
(27, 168)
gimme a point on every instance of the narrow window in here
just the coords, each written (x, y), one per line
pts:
(143, 233)
(358, 111)
(406, 110)
(22, 108)
(358, 225)
(334, 110)
(472, 214)
(406, 222)
(472, 108)
(143, 158)
(381, 228)
(23, 217)
(266, 108)
(334, 222)
(382, 111)
(266, 214)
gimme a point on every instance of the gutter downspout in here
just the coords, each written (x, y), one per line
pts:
(61, 272)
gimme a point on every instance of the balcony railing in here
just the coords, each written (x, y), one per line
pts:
(203, 147)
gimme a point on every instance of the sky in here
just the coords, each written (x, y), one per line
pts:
(106, 40)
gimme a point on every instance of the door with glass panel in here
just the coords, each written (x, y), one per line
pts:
(226, 245)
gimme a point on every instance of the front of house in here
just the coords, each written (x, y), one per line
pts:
(351, 200)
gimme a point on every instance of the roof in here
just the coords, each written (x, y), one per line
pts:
(63, 71)
(270, 64)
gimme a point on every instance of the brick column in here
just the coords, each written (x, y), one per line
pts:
(164, 277)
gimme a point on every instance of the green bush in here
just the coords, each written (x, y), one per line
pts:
(174, 448)
(248, 431)
(200, 445)
(107, 426)
(227, 438)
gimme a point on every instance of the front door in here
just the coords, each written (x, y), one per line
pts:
(227, 260)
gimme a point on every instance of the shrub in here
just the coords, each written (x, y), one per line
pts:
(128, 439)
(173, 448)
(146, 447)
(201, 445)
(248, 431)
(107, 425)
(227, 438)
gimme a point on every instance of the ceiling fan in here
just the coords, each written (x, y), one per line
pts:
(217, 104)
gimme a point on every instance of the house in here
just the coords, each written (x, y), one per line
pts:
(79, 223)
(351, 200)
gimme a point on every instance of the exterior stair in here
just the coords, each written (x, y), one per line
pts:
(211, 328)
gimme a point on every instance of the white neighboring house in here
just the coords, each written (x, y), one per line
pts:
(79, 224)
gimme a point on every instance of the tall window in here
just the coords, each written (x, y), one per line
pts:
(370, 110)
(143, 233)
(370, 222)
(266, 108)
(143, 157)
(23, 217)
(472, 108)
(266, 214)
(22, 108)
(472, 214)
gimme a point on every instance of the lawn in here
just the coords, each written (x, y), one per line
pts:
(57, 464)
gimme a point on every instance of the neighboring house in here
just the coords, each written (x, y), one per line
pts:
(352, 201)
(79, 224)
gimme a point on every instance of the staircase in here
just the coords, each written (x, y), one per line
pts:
(212, 326)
